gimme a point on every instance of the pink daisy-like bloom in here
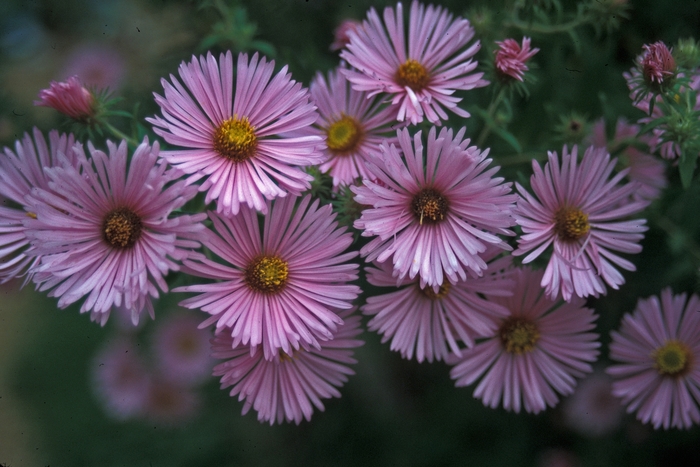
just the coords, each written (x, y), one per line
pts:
(97, 65)
(182, 350)
(432, 323)
(578, 210)
(105, 231)
(536, 352)
(70, 98)
(169, 403)
(433, 215)
(658, 350)
(593, 410)
(248, 143)
(22, 170)
(278, 289)
(351, 124)
(420, 73)
(341, 34)
(511, 57)
(288, 387)
(644, 168)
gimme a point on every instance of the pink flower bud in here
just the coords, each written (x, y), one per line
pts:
(657, 63)
(511, 57)
(70, 98)
(341, 33)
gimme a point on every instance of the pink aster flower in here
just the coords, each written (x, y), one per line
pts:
(511, 57)
(169, 403)
(579, 210)
(182, 350)
(657, 63)
(21, 171)
(647, 170)
(341, 34)
(248, 142)
(105, 231)
(278, 289)
(70, 98)
(536, 352)
(433, 215)
(593, 410)
(97, 65)
(288, 387)
(658, 347)
(432, 323)
(420, 72)
(351, 124)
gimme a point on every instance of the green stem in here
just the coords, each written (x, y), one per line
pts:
(131, 141)
(490, 112)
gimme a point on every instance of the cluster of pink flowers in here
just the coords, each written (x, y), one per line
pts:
(278, 274)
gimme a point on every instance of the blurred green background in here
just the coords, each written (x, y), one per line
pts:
(392, 412)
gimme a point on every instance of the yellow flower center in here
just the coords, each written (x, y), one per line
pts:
(344, 136)
(429, 206)
(267, 274)
(235, 139)
(413, 74)
(571, 224)
(441, 293)
(121, 228)
(672, 359)
(518, 335)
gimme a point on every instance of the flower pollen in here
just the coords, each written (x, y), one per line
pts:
(672, 359)
(121, 228)
(571, 224)
(518, 335)
(413, 74)
(235, 139)
(344, 135)
(429, 206)
(267, 274)
(440, 294)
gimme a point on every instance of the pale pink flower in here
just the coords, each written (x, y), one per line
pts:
(278, 287)
(433, 213)
(537, 351)
(430, 323)
(593, 410)
(352, 125)
(169, 403)
(97, 65)
(421, 72)
(247, 138)
(21, 171)
(578, 210)
(511, 57)
(70, 98)
(657, 63)
(341, 34)
(105, 230)
(658, 350)
(288, 387)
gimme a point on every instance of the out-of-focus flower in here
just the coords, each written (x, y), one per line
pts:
(658, 350)
(288, 387)
(70, 98)
(169, 403)
(435, 213)
(420, 72)
(341, 34)
(593, 410)
(21, 171)
(352, 125)
(511, 57)
(430, 323)
(279, 289)
(98, 66)
(106, 232)
(647, 170)
(578, 210)
(536, 352)
(182, 349)
(248, 141)
(120, 379)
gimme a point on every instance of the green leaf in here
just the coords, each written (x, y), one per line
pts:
(686, 166)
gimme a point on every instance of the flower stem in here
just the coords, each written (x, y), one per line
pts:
(130, 141)
(490, 112)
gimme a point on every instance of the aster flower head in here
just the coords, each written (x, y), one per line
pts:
(592, 410)
(431, 324)
(278, 288)
(352, 125)
(537, 351)
(420, 71)
(288, 387)
(658, 350)
(657, 64)
(70, 98)
(433, 212)
(511, 57)
(247, 143)
(21, 171)
(104, 229)
(579, 210)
